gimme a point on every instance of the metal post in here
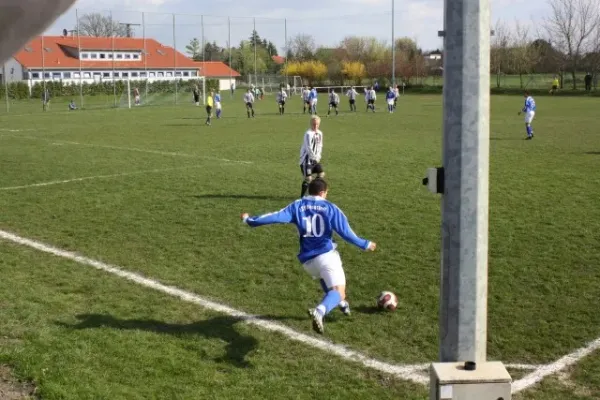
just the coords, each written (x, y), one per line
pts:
(393, 48)
(229, 45)
(175, 59)
(463, 316)
(254, 40)
(145, 55)
(112, 34)
(6, 87)
(80, 66)
(43, 75)
(203, 62)
(285, 55)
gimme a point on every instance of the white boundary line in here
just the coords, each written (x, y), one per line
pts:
(408, 372)
(86, 178)
(163, 153)
(401, 371)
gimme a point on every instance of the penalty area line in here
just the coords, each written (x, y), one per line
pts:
(406, 372)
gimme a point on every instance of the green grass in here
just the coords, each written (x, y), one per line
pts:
(182, 227)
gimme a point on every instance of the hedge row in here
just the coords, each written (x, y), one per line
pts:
(20, 90)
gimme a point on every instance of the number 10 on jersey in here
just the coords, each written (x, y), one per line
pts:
(314, 226)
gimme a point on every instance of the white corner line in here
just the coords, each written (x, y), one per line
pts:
(87, 178)
(400, 371)
(550, 369)
(135, 149)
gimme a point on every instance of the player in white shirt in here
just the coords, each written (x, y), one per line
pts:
(281, 98)
(397, 93)
(334, 101)
(249, 100)
(310, 154)
(371, 97)
(352, 94)
(305, 98)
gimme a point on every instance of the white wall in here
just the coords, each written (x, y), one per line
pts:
(14, 71)
(225, 84)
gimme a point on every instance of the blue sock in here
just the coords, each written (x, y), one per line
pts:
(330, 301)
(218, 113)
(529, 130)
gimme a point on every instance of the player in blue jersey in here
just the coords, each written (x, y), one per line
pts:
(313, 99)
(529, 110)
(316, 220)
(218, 104)
(390, 98)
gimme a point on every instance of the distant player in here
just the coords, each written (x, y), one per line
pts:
(371, 97)
(529, 110)
(218, 106)
(249, 100)
(334, 101)
(397, 93)
(313, 97)
(352, 94)
(72, 106)
(316, 219)
(305, 99)
(196, 93)
(136, 94)
(209, 107)
(46, 100)
(310, 154)
(281, 98)
(390, 97)
(555, 84)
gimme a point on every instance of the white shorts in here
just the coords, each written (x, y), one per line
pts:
(327, 266)
(217, 106)
(529, 116)
(390, 102)
(137, 99)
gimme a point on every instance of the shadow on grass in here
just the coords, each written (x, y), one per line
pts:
(222, 328)
(505, 138)
(368, 310)
(596, 153)
(243, 196)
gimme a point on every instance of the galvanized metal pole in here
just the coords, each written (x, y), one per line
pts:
(463, 316)
(393, 48)
(175, 59)
(254, 40)
(80, 61)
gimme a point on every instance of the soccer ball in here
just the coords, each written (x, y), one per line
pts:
(387, 301)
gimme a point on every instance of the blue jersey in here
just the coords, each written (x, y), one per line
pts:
(529, 104)
(313, 94)
(316, 220)
(217, 98)
(390, 95)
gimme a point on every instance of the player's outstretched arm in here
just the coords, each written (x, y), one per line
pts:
(284, 216)
(342, 227)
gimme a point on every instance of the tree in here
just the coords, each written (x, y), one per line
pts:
(354, 70)
(499, 51)
(302, 47)
(572, 25)
(313, 71)
(332, 58)
(99, 25)
(522, 55)
(194, 49)
(409, 59)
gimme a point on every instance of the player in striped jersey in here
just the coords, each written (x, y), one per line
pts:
(310, 154)
(390, 97)
(352, 94)
(334, 101)
(249, 100)
(529, 110)
(218, 104)
(281, 98)
(305, 99)
(397, 94)
(371, 97)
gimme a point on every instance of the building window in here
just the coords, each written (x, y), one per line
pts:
(128, 56)
(109, 56)
(56, 75)
(35, 75)
(102, 55)
(84, 56)
(116, 74)
(87, 75)
(161, 74)
(76, 75)
(143, 74)
(152, 74)
(186, 73)
(119, 56)
(93, 56)
(47, 75)
(125, 74)
(134, 74)
(106, 74)
(136, 56)
(67, 75)
(169, 74)
(178, 74)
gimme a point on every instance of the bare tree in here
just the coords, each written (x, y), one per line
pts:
(99, 25)
(522, 54)
(572, 25)
(499, 51)
(302, 47)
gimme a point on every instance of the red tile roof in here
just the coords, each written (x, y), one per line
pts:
(216, 69)
(278, 60)
(156, 55)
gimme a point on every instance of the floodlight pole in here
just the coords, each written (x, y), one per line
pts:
(464, 286)
(393, 48)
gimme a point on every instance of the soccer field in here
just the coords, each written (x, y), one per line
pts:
(212, 309)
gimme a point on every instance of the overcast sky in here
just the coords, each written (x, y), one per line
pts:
(328, 21)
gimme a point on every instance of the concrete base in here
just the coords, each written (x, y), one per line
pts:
(451, 381)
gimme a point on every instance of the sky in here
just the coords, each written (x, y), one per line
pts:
(328, 21)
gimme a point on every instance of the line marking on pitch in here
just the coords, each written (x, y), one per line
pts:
(404, 372)
(557, 366)
(86, 178)
(135, 149)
